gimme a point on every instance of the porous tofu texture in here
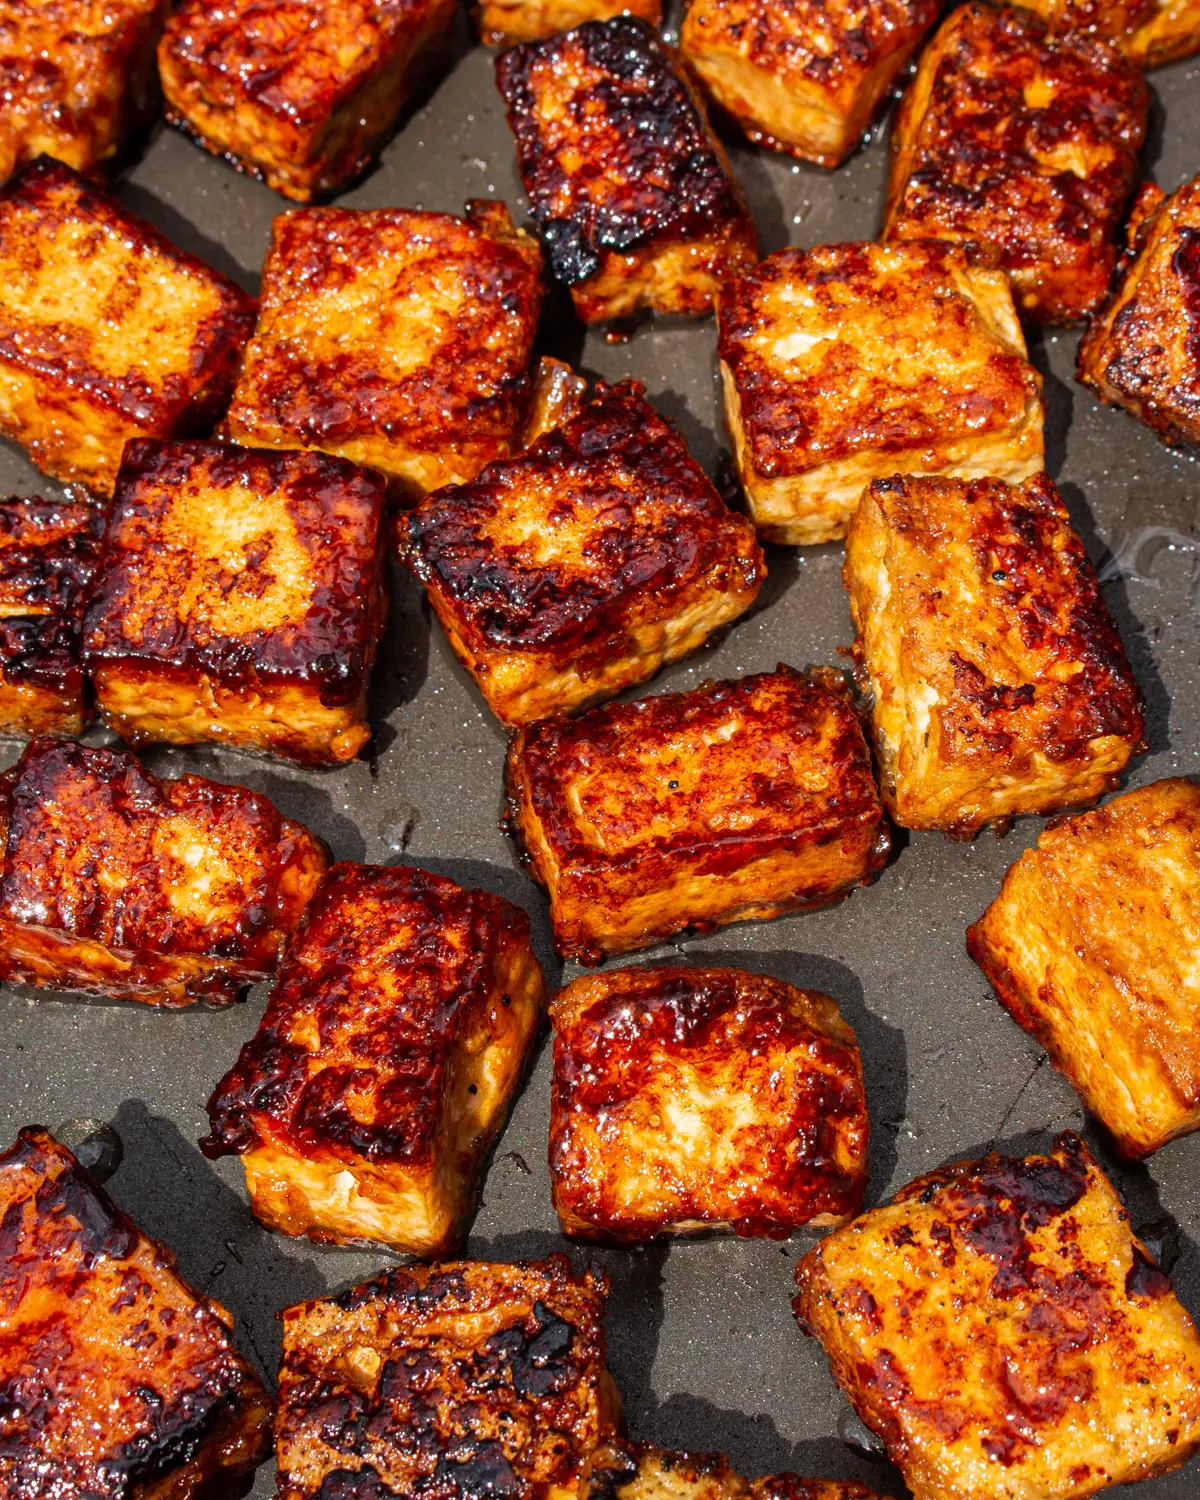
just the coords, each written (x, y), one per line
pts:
(399, 340)
(466, 1378)
(581, 566)
(634, 198)
(1001, 1329)
(1171, 31)
(239, 599)
(636, 1471)
(504, 22)
(803, 76)
(685, 1100)
(119, 884)
(1093, 946)
(1022, 148)
(386, 1061)
(300, 93)
(997, 680)
(853, 362)
(107, 331)
(120, 1382)
(738, 800)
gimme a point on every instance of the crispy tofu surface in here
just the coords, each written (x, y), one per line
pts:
(636, 1471)
(853, 362)
(632, 193)
(1171, 31)
(1114, 20)
(465, 1378)
(1021, 147)
(119, 1381)
(998, 682)
(504, 22)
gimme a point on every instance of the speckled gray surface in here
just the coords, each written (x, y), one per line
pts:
(701, 1335)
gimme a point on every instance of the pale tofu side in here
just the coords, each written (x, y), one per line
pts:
(505, 22)
(636, 1471)
(1172, 32)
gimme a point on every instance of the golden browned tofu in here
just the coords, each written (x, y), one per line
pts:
(738, 800)
(300, 93)
(1021, 147)
(463, 1379)
(1171, 31)
(399, 340)
(1114, 20)
(635, 1471)
(1093, 946)
(803, 76)
(581, 566)
(1004, 1333)
(686, 1100)
(384, 1066)
(239, 599)
(119, 1381)
(633, 195)
(119, 884)
(854, 362)
(998, 680)
(503, 22)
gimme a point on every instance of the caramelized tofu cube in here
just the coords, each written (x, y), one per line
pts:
(1001, 1329)
(1169, 32)
(686, 1100)
(630, 190)
(466, 1378)
(1114, 20)
(737, 800)
(399, 340)
(1093, 946)
(998, 680)
(1022, 148)
(580, 567)
(239, 599)
(302, 93)
(385, 1064)
(636, 1471)
(503, 22)
(854, 362)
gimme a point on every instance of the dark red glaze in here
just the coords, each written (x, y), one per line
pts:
(48, 552)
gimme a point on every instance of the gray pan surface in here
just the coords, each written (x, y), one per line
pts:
(702, 1340)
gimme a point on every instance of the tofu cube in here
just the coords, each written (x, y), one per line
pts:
(302, 94)
(1114, 20)
(466, 1378)
(738, 800)
(107, 331)
(803, 76)
(1093, 946)
(686, 1100)
(1021, 147)
(1169, 32)
(239, 599)
(855, 362)
(1001, 1329)
(581, 566)
(998, 681)
(399, 340)
(504, 22)
(384, 1066)
(636, 1471)
(632, 193)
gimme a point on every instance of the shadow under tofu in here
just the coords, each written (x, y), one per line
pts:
(402, 661)
(1060, 404)
(183, 233)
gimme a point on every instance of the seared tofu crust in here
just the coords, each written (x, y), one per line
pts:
(454, 1380)
(1001, 1329)
(399, 340)
(386, 1061)
(116, 883)
(1021, 147)
(1114, 20)
(581, 566)
(1093, 946)
(853, 362)
(300, 93)
(686, 1100)
(503, 22)
(738, 800)
(997, 678)
(631, 192)
(119, 1382)
(635, 1471)
(1171, 31)
(239, 598)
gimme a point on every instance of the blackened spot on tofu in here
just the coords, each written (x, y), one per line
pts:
(539, 1358)
(84, 1219)
(1144, 1279)
(365, 1485)
(479, 1471)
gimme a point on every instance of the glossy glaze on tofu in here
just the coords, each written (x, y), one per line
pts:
(630, 189)
(636, 1471)
(119, 884)
(1021, 147)
(853, 362)
(581, 566)
(1002, 1330)
(738, 800)
(505, 22)
(998, 682)
(686, 1100)
(456, 1380)
(1114, 20)
(119, 1382)
(1169, 32)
